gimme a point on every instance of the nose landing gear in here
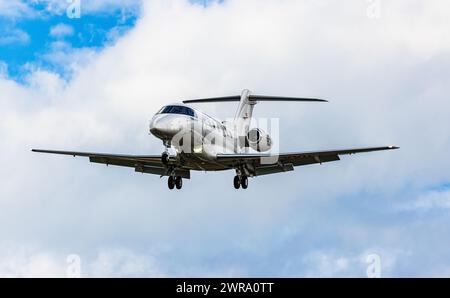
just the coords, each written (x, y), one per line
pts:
(165, 156)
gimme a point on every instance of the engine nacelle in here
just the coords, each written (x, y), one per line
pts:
(258, 140)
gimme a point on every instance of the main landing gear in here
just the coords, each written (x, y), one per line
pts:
(240, 181)
(175, 182)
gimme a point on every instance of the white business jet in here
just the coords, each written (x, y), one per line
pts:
(195, 141)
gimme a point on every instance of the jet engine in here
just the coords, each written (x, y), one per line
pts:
(258, 140)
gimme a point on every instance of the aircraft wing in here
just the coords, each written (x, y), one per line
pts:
(264, 164)
(149, 164)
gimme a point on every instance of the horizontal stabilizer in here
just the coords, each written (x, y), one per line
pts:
(254, 98)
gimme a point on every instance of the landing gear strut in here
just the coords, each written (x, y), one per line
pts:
(175, 182)
(240, 181)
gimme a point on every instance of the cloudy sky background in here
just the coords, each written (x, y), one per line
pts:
(93, 83)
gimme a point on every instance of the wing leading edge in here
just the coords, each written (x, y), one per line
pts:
(149, 164)
(263, 164)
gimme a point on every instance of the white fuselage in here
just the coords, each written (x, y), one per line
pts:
(196, 137)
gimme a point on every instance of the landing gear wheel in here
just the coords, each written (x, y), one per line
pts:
(171, 183)
(244, 182)
(179, 182)
(165, 158)
(237, 182)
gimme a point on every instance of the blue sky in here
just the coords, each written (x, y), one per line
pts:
(92, 84)
(94, 30)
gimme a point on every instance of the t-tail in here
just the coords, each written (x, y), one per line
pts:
(244, 112)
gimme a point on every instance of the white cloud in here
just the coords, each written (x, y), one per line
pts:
(122, 262)
(14, 37)
(67, 59)
(20, 261)
(386, 79)
(3, 69)
(431, 200)
(46, 82)
(61, 30)
(108, 5)
(326, 265)
(331, 263)
(14, 9)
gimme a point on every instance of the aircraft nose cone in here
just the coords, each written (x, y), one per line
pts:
(163, 127)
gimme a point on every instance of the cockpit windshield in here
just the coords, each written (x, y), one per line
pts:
(182, 110)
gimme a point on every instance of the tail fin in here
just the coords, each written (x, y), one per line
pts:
(244, 114)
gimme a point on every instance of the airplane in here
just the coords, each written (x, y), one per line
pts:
(203, 143)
